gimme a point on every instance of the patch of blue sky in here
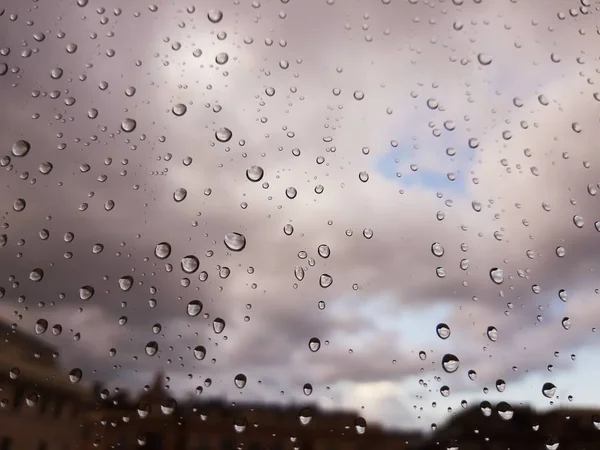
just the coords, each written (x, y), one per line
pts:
(399, 160)
(383, 312)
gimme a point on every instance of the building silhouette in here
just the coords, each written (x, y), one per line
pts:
(41, 409)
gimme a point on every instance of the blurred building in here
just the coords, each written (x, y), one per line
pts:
(43, 408)
(157, 421)
(520, 428)
(40, 409)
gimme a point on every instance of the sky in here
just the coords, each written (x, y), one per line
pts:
(476, 122)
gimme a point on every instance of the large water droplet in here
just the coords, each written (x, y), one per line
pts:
(189, 264)
(200, 352)
(218, 325)
(86, 292)
(179, 195)
(151, 348)
(450, 363)
(325, 280)
(75, 375)
(223, 134)
(486, 408)
(314, 344)
(505, 411)
(215, 16)
(497, 275)
(240, 380)
(443, 331)
(305, 416)
(125, 283)
(437, 249)
(41, 326)
(492, 333)
(548, 389)
(299, 273)
(235, 241)
(255, 173)
(20, 148)
(36, 275)
(179, 109)
(162, 250)
(360, 425)
(324, 251)
(307, 389)
(194, 308)
(128, 125)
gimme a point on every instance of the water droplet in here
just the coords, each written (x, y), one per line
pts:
(472, 375)
(437, 249)
(288, 229)
(505, 411)
(500, 385)
(562, 294)
(223, 134)
(363, 176)
(440, 272)
(75, 375)
(359, 95)
(486, 408)
(189, 264)
(255, 173)
(314, 344)
(548, 389)
(240, 380)
(36, 275)
(45, 168)
(179, 109)
(41, 326)
(484, 60)
(497, 275)
(125, 283)
(221, 58)
(235, 242)
(299, 273)
(360, 425)
(325, 280)
(200, 352)
(86, 292)
(445, 391)
(307, 389)
(305, 416)
(218, 325)
(443, 331)
(566, 323)
(20, 148)
(492, 333)
(450, 363)
(128, 125)
(291, 192)
(162, 250)
(324, 251)
(194, 308)
(422, 355)
(560, 251)
(151, 348)
(215, 16)
(240, 424)
(578, 221)
(179, 195)
(19, 204)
